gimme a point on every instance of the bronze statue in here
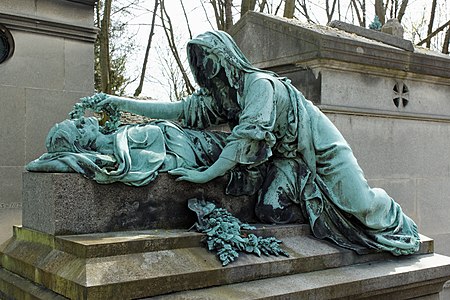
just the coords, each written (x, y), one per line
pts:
(280, 146)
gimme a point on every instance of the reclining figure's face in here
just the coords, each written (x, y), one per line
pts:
(89, 131)
(73, 135)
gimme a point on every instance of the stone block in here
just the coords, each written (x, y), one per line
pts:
(26, 7)
(79, 67)
(403, 191)
(44, 109)
(10, 200)
(358, 90)
(396, 148)
(12, 128)
(40, 58)
(434, 195)
(69, 12)
(442, 245)
(59, 203)
(389, 279)
(389, 35)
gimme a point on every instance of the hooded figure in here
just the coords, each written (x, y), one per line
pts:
(308, 169)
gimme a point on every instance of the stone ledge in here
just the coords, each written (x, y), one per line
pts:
(48, 27)
(86, 2)
(137, 264)
(401, 278)
(385, 38)
(67, 203)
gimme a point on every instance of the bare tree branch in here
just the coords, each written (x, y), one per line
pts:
(278, 7)
(206, 14)
(187, 20)
(330, 12)
(105, 59)
(431, 35)
(138, 90)
(168, 30)
(360, 15)
(446, 41)
(262, 5)
(304, 9)
(430, 24)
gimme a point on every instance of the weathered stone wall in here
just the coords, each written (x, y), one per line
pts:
(392, 106)
(52, 67)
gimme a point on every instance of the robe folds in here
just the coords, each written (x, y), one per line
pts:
(278, 126)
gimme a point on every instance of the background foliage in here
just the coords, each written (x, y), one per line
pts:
(140, 50)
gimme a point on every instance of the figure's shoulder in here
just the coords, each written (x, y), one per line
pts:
(255, 76)
(259, 80)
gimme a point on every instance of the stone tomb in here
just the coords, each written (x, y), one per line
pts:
(107, 259)
(86, 241)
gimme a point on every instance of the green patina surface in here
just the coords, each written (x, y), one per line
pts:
(223, 233)
(280, 146)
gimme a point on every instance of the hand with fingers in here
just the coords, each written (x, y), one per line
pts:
(191, 175)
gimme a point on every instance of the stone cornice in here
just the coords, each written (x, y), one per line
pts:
(333, 44)
(87, 2)
(48, 27)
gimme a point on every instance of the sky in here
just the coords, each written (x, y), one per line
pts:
(156, 85)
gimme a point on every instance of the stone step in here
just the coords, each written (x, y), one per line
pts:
(149, 263)
(395, 278)
(127, 242)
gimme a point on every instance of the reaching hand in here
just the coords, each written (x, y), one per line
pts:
(112, 101)
(191, 175)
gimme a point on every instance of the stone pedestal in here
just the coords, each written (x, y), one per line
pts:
(172, 264)
(150, 252)
(67, 203)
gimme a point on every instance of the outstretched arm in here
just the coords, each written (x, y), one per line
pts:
(151, 109)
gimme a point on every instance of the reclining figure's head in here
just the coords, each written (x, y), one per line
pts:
(77, 135)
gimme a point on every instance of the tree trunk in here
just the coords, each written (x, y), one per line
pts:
(105, 60)
(380, 11)
(218, 14)
(228, 14)
(262, 5)
(430, 25)
(330, 11)
(247, 5)
(402, 10)
(289, 9)
(138, 90)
